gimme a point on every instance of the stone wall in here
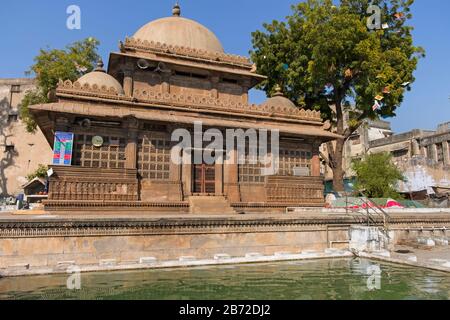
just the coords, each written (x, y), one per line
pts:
(44, 252)
(87, 242)
(29, 150)
(46, 243)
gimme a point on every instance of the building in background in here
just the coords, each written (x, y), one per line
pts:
(20, 151)
(357, 146)
(424, 157)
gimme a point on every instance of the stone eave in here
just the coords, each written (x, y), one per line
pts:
(194, 103)
(144, 112)
(179, 61)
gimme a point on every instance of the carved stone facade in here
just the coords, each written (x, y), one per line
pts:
(153, 87)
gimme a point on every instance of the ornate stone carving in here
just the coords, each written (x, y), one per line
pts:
(217, 57)
(90, 184)
(200, 101)
(296, 190)
(80, 228)
(190, 102)
(63, 227)
(76, 87)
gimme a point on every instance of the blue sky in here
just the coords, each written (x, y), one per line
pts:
(29, 25)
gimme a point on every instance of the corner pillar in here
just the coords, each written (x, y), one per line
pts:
(315, 161)
(131, 148)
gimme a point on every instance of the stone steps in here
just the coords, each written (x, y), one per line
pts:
(210, 205)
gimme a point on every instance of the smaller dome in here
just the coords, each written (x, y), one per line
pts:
(100, 78)
(279, 100)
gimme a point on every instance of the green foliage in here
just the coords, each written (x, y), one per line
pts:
(41, 172)
(51, 65)
(324, 43)
(377, 176)
(31, 97)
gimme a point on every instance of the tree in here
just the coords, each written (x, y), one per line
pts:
(377, 176)
(50, 66)
(326, 58)
(40, 172)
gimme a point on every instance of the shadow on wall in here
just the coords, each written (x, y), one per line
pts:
(7, 156)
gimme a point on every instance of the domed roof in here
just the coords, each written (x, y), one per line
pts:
(178, 31)
(279, 100)
(100, 78)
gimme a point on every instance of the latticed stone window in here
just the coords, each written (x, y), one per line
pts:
(154, 158)
(111, 155)
(292, 160)
(250, 172)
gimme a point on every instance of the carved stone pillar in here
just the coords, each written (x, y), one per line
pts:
(245, 95)
(245, 87)
(214, 90)
(165, 83)
(175, 172)
(131, 149)
(128, 83)
(433, 155)
(219, 166)
(446, 150)
(415, 148)
(315, 161)
(231, 177)
(187, 172)
(424, 151)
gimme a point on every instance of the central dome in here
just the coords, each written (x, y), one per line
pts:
(178, 31)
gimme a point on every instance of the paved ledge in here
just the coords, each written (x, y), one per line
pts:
(317, 215)
(182, 262)
(389, 211)
(123, 216)
(386, 257)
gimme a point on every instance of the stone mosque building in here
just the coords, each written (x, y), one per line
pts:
(170, 74)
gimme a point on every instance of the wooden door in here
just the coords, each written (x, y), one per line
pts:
(204, 179)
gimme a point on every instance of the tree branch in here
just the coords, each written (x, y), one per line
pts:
(324, 158)
(331, 155)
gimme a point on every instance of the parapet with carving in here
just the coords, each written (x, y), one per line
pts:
(157, 47)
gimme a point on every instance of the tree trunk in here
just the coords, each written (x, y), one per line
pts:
(338, 160)
(338, 170)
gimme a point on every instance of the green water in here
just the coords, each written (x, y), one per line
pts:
(303, 280)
